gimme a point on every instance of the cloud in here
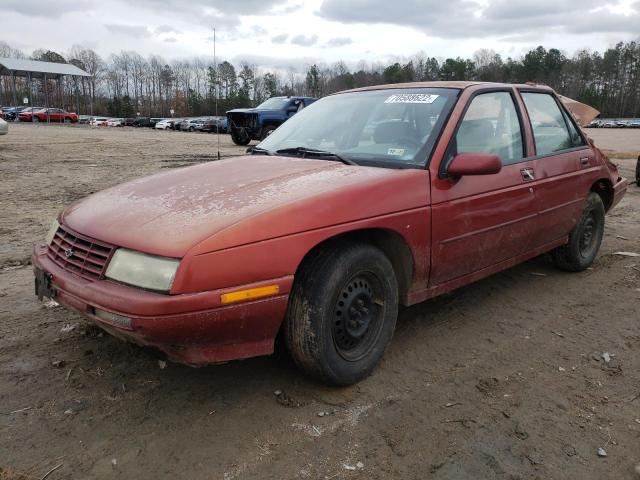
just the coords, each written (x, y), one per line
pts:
(287, 9)
(136, 31)
(170, 40)
(279, 39)
(304, 41)
(257, 30)
(298, 64)
(166, 29)
(38, 8)
(483, 20)
(339, 42)
(227, 7)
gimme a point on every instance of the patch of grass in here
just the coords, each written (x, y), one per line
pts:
(621, 155)
(13, 475)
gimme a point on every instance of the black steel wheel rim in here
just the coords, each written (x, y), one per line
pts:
(358, 316)
(589, 234)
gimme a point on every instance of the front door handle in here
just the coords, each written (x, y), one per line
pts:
(528, 175)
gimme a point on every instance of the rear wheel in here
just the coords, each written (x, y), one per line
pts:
(266, 131)
(239, 136)
(584, 240)
(342, 312)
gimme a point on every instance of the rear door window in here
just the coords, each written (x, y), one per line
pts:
(550, 130)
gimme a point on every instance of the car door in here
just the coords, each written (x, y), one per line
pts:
(562, 155)
(480, 221)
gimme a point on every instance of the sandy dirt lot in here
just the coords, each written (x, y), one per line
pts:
(501, 379)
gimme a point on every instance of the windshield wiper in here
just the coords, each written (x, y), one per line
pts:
(305, 152)
(259, 151)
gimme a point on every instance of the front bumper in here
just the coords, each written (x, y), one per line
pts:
(192, 328)
(619, 189)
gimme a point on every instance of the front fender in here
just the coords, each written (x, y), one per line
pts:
(272, 243)
(280, 257)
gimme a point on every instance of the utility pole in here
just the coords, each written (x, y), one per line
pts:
(215, 79)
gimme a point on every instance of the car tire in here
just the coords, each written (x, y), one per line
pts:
(638, 172)
(239, 137)
(191, 129)
(266, 131)
(342, 312)
(35, 119)
(584, 240)
(67, 120)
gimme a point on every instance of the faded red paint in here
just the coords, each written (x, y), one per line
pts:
(249, 221)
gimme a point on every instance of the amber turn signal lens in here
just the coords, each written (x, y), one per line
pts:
(249, 294)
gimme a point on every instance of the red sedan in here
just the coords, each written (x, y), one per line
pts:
(51, 114)
(364, 201)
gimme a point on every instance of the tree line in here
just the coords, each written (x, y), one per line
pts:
(128, 84)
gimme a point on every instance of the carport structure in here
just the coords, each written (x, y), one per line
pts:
(33, 70)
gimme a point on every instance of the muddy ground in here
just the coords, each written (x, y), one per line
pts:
(501, 379)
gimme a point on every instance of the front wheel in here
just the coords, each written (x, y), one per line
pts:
(584, 240)
(239, 136)
(67, 120)
(342, 312)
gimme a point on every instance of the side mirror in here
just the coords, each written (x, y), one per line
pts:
(474, 164)
(292, 109)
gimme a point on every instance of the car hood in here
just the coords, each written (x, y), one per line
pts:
(254, 110)
(241, 200)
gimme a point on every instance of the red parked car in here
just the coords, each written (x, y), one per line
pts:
(52, 114)
(364, 201)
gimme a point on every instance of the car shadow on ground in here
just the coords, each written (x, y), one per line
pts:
(126, 367)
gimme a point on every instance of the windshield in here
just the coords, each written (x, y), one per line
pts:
(391, 127)
(274, 103)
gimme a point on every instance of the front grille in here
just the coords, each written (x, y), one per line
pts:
(80, 255)
(243, 120)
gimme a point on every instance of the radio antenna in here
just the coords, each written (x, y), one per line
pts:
(215, 90)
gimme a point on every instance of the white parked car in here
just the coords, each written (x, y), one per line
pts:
(98, 121)
(4, 127)
(115, 122)
(164, 124)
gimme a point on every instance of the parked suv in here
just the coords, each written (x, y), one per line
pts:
(322, 233)
(246, 124)
(215, 125)
(191, 124)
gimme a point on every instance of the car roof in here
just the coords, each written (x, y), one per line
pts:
(457, 84)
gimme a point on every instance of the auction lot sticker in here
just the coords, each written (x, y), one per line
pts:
(412, 98)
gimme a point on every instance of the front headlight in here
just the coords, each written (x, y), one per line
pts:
(142, 270)
(52, 232)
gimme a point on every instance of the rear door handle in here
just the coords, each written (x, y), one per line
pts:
(585, 162)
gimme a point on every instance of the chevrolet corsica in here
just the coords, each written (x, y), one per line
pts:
(364, 201)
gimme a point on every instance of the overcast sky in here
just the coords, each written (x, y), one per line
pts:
(282, 33)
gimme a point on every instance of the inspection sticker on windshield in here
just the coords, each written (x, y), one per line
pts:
(412, 98)
(398, 152)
